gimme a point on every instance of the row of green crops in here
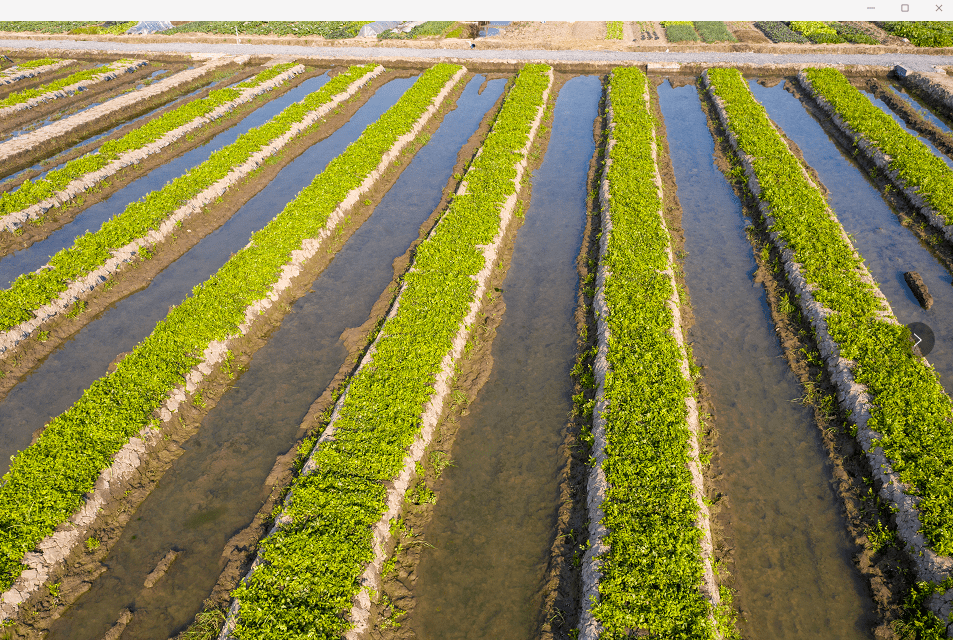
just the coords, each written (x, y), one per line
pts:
(831, 32)
(43, 26)
(310, 566)
(922, 34)
(19, 97)
(680, 31)
(339, 29)
(433, 28)
(714, 31)
(47, 481)
(91, 250)
(32, 192)
(653, 567)
(114, 29)
(780, 32)
(614, 30)
(33, 64)
(910, 409)
(916, 165)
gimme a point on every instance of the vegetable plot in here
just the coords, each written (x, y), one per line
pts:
(33, 198)
(325, 553)
(903, 418)
(83, 266)
(69, 85)
(925, 178)
(648, 567)
(89, 446)
(32, 69)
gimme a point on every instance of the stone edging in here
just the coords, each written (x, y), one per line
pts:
(108, 73)
(852, 396)
(589, 627)
(361, 603)
(875, 155)
(81, 287)
(16, 219)
(15, 74)
(54, 549)
(28, 141)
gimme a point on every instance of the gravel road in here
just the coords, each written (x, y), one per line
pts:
(917, 62)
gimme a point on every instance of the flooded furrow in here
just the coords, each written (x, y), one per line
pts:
(60, 379)
(91, 144)
(880, 104)
(791, 556)
(494, 523)
(220, 482)
(56, 109)
(889, 250)
(920, 107)
(38, 253)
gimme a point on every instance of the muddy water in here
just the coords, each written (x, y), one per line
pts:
(922, 108)
(90, 144)
(888, 248)
(38, 254)
(880, 104)
(217, 486)
(493, 525)
(61, 378)
(792, 559)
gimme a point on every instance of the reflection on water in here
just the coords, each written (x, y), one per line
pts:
(493, 524)
(218, 485)
(888, 248)
(793, 570)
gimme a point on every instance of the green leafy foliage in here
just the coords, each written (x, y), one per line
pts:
(614, 30)
(910, 408)
(917, 165)
(47, 482)
(779, 32)
(310, 566)
(33, 191)
(19, 97)
(325, 29)
(714, 31)
(33, 64)
(427, 29)
(853, 34)
(653, 567)
(923, 34)
(817, 31)
(680, 31)
(91, 250)
(43, 26)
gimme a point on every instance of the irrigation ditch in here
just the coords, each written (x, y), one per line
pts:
(386, 396)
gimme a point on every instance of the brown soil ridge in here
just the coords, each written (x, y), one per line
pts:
(371, 578)
(16, 219)
(852, 396)
(131, 252)
(53, 550)
(15, 74)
